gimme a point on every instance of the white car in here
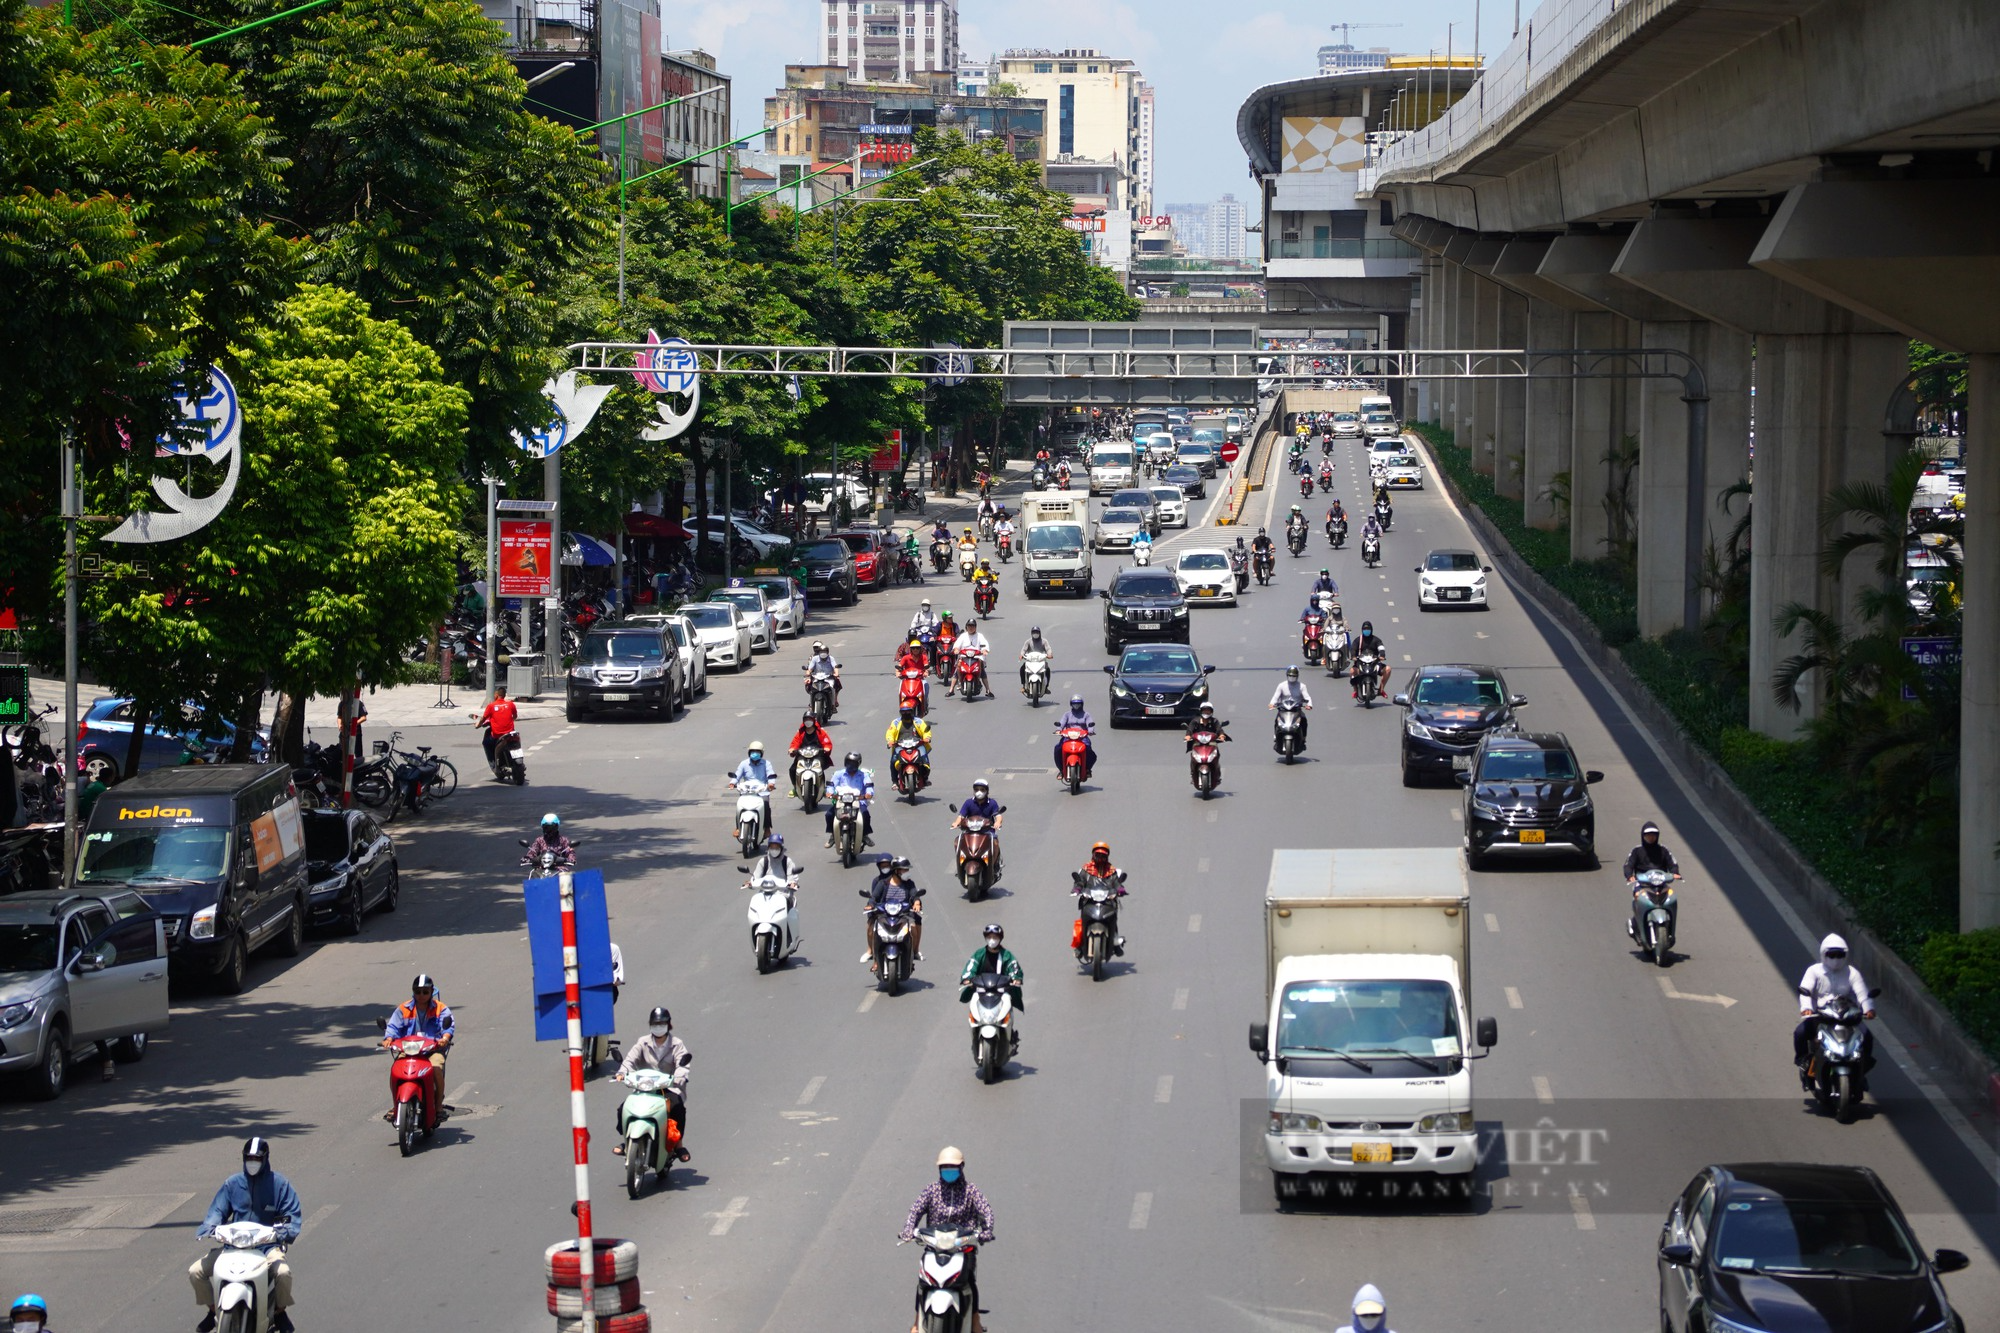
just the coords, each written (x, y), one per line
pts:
(1381, 451)
(724, 632)
(1160, 447)
(749, 599)
(1205, 575)
(823, 488)
(760, 541)
(1170, 505)
(687, 645)
(1451, 578)
(1402, 472)
(785, 600)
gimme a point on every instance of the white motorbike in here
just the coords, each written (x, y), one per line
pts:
(774, 920)
(1142, 554)
(811, 780)
(968, 560)
(751, 798)
(243, 1277)
(1035, 676)
(990, 1013)
(944, 1283)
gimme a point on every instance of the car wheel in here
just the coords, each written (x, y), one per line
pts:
(293, 941)
(101, 767)
(229, 978)
(131, 1049)
(572, 713)
(350, 920)
(1409, 774)
(1110, 645)
(394, 892)
(853, 595)
(45, 1084)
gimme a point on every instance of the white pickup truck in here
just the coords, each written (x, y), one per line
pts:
(1364, 1038)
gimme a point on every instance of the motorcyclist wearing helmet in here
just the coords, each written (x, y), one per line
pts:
(1296, 520)
(425, 1015)
(1098, 866)
(892, 883)
(254, 1194)
(1831, 976)
(981, 805)
(776, 862)
(968, 547)
(993, 956)
(821, 662)
(1077, 716)
(30, 1314)
(1205, 724)
(551, 839)
(1367, 643)
(1371, 1312)
(1370, 528)
(1292, 689)
(925, 622)
(1003, 528)
(975, 643)
(755, 768)
(907, 723)
(1650, 854)
(1035, 644)
(659, 1049)
(810, 732)
(498, 717)
(852, 777)
(1324, 583)
(952, 1203)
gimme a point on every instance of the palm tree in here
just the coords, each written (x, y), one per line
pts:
(1864, 516)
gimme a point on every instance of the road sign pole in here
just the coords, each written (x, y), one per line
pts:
(552, 623)
(579, 1127)
(72, 512)
(492, 587)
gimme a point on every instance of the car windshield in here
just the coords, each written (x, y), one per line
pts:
(27, 946)
(1812, 1236)
(1056, 538)
(710, 617)
(1368, 1018)
(776, 589)
(1151, 584)
(1197, 450)
(1343, 416)
(1128, 517)
(1466, 691)
(1182, 473)
(1455, 562)
(1159, 662)
(1207, 436)
(746, 598)
(137, 855)
(1130, 500)
(1166, 495)
(826, 551)
(855, 541)
(1204, 560)
(1527, 766)
(605, 647)
(326, 839)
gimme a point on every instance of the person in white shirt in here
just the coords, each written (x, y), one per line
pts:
(1830, 977)
(1293, 689)
(972, 641)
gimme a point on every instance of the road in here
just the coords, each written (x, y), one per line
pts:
(1121, 1152)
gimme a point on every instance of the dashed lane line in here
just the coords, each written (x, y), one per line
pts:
(1181, 998)
(1163, 1091)
(1543, 1093)
(812, 1089)
(1513, 997)
(1142, 1210)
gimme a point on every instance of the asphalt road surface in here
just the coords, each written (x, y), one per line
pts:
(1121, 1151)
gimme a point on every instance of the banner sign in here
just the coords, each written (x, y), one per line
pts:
(905, 130)
(668, 366)
(210, 403)
(1936, 658)
(896, 152)
(1154, 223)
(527, 554)
(889, 456)
(572, 406)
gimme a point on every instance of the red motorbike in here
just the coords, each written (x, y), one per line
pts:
(941, 655)
(1312, 639)
(906, 768)
(914, 691)
(1205, 760)
(1006, 546)
(419, 1102)
(985, 594)
(1075, 756)
(1306, 484)
(971, 674)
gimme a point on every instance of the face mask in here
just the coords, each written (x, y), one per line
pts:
(27, 1326)
(662, 1032)
(950, 1175)
(253, 1167)
(1368, 1321)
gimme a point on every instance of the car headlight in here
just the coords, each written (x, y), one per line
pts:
(330, 885)
(1118, 612)
(1576, 807)
(1119, 690)
(1717, 1324)
(202, 925)
(652, 672)
(1180, 610)
(1417, 729)
(1292, 1122)
(16, 1014)
(1487, 808)
(583, 673)
(1426, 581)
(1198, 689)
(1446, 1122)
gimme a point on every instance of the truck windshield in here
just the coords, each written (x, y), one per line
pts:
(142, 855)
(1414, 1018)
(1056, 539)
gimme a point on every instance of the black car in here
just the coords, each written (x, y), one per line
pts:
(1526, 793)
(626, 666)
(351, 864)
(1188, 477)
(1451, 707)
(1157, 683)
(830, 573)
(1797, 1247)
(1144, 604)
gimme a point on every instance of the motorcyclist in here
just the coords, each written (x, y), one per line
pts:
(994, 956)
(1262, 547)
(1650, 854)
(658, 1049)
(1831, 976)
(1077, 716)
(912, 654)
(1368, 642)
(983, 574)
(822, 662)
(29, 1314)
(254, 1194)
(981, 805)
(551, 839)
(947, 637)
(1371, 1312)
(1142, 538)
(810, 732)
(1371, 531)
(1205, 723)
(1293, 689)
(1003, 529)
(892, 884)
(1035, 644)
(913, 552)
(940, 530)
(1305, 481)
(975, 643)
(852, 777)
(776, 861)
(952, 1203)
(1325, 583)
(424, 1016)
(1098, 866)
(1295, 521)
(498, 718)
(907, 723)
(925, 622)
(968, 547)
(755, 768)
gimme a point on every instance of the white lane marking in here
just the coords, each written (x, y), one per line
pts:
(1455, 812)
(1492, 924)
(728, 1216)
(812, 1089)
(1181, 998)
(1406, 657)
(317, 1216)
(1194, 924)
(868, 1001)
(1211, 816)
(745, 713)
(1163, 1091)
(1513, 997)
(459, 1093)
(1585, 1220)
(1668, 989)
(1142, 1208)
(1542, 1092)
(1201, 866)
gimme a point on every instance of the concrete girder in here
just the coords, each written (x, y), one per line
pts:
(1519, 267)
(1702, 264)
(1583, 264)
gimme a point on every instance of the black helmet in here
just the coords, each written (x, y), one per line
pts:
(1291, 673)
(422, 985)
(1367, 627)
(661, 1017)
(852, 762)
(257, 1149)
(1260, 532)
(807, 718)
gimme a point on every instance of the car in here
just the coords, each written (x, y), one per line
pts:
(1189, 478)
(694, 662)
(1170, 504)
(823, 488)
(1346, 425)
(104, 739)
(1143, 603)
(624, 665)
(1450, 577)
(1205, 575)
(831, 573)
(1450, 707)
(1773, 1247)
(874, 557)
(723, 631)
(1203, 456)
(1159, 446)
(1117, 529)
(1402, 472)
(1381, 451)
(749, 599)
(77, 969)
(1526, 793)
(1157, 682)
(1141, 499)
(351, 868)
(1380, 425)
(760, 542)
(785, 600)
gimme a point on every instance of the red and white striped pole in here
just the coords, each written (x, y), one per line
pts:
(586, 1251)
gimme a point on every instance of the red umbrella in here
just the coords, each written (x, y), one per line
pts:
(638, 523)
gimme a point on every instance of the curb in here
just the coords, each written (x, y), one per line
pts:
(1969, 1077)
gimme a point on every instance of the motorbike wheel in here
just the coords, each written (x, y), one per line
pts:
(989, 1062)
(372, 790)
(809, 798)
(848, 855)
(895, 970)
(1660, 950)
(976, 883)
(235, 1321)
(1846, 1099)
(749, 847)
(406, 1127)
(635, 1166)
(767, 954)
(1075, 779)
(1097, 965)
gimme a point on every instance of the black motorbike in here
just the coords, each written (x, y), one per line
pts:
(1336, 532)
(1239, 565)
(418, 779)
(1295, 540)
(507, 763)
(1385, 514)
(940, 555)
(1097, 936)
(1261, 561)
(1288, 731)
(1371, 551)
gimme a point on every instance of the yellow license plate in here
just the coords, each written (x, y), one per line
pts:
(1533, 835)
(1204, 592)
(1055, 583)
(1371, 1152)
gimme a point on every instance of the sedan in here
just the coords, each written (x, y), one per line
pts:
(1117, 529)
(1205, 575)
(1346, 425)
(104, 735)
(1189, 478)
(1451, 707)
(873, 561)
(1402, 472)
(351, 866)
(749, 599)
(1170, 504)
(756, 538)
(1157, 682)
(1451, 578)
(1526, 793)
(1141, 499)
(1774, 1247)
(723, 631)
(785, 600)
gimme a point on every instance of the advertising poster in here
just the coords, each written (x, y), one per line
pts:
(633, 78)
(889, 456)
(526, 557)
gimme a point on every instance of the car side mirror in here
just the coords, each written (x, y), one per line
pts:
(1949, 1261)
(1401, 701)
(1486, 1032)
(1260, 1040)
(1486, 569)
(1517, 701)
(1462, 776)
(1208, 670)
(1591, 776)
(1111, 671)
(1680, 1256)
(1416, 569)
(1105, 593)
(88, 960)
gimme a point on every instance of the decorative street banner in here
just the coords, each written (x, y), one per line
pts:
(572, 406)
(889, 456)
(527, 554)
(669, 367)
(215, 408)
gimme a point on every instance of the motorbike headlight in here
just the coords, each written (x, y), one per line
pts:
(16, 1014)
(1446, 1122)
(1576, 807)
(1292, 1122)
(202, 925)
(1417, 729)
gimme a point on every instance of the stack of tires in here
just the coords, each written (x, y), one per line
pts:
(616, 1273)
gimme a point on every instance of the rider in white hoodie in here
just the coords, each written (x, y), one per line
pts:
(1371, 1312)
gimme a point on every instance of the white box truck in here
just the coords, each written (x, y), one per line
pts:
(1055, 546)
(1365, 1034)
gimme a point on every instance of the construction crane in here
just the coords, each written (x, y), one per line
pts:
(1345, 28)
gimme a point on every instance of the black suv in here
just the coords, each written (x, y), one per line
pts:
(1526, 793)
(1144, 604)
(1451, 708)
(626, 666)
(830, 573)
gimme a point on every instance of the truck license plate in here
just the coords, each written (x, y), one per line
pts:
(1372, 1152)
(1533, 835)
(1055, 583)
(617, 698)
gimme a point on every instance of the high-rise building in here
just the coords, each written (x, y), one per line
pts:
(888, 41)
(1190, 228)
(1335, 59)
(1225, 228)
(1100, 122)
(1142, 153)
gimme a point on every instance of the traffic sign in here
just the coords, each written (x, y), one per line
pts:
(1229, 451)
(1936, 658)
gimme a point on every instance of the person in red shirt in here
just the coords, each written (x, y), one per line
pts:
(498, 719)
(809, 732)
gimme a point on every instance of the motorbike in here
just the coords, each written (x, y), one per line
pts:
(1062, 479)
(1035, 676)
(1312, 637)
(750, 799)
(985, 594)
(1336, 648)
(1834, 1064)
(774, 920)
(1239, 565)
(1295, 539)
(1095, 936)
(1329, 604)
(416, 781)
(1142, 554)
(907, 767)
(986, 527)
(978, 856)
(1385, 514)
(894, 959)
(1305, 485)
(967, 562)
(820, 696)
(1655, 891)
(547, 864)
(809, 775)
(847, 827)
(1325, 477)
(1004, 544)
(1205, 760)
(1075, 750)
(419, 1101)
(652, 1133)
(907, 570)
(1371, 551)
(940, 555)
(1288, 734)
(913, 691)
(991, 1017)
(243, 1277)
(1369, 681)
(1263, 564)
(1038, 479)
(507, 764)
(941, 655)
(1336, 532)
(971, 669)
(944, 1281)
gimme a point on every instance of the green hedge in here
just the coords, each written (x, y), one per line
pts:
(1964, 972)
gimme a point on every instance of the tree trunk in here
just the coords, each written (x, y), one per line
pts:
(246, 727)
(288, 729)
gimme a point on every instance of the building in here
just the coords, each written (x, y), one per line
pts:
(889, 41)
(1096, 116)
(1337, 59)
(840, 117)
(1224, 227)
(975, 77)
(1190, 223)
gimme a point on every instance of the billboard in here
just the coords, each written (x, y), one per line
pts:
(527, 554)
(634, 77)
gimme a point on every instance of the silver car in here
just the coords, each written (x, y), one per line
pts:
(1118, 528)
(77, 969)
(724, 632)
(1170, 503)
(750, 600)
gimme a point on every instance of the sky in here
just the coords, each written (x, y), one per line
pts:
(1203, 56)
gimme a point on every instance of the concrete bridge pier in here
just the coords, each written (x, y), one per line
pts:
(1482, 422)
(1550, 404)
(1510, 409)
(1597, 420)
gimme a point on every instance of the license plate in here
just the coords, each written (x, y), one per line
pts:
(617, 698)
(1371, 1152)
(1055, 583)
(1204, 592)
(1533, 835)
(1453, 594)
(1159, 709)
(1462, 761)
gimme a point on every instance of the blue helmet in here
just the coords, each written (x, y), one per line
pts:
(30, 1304)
